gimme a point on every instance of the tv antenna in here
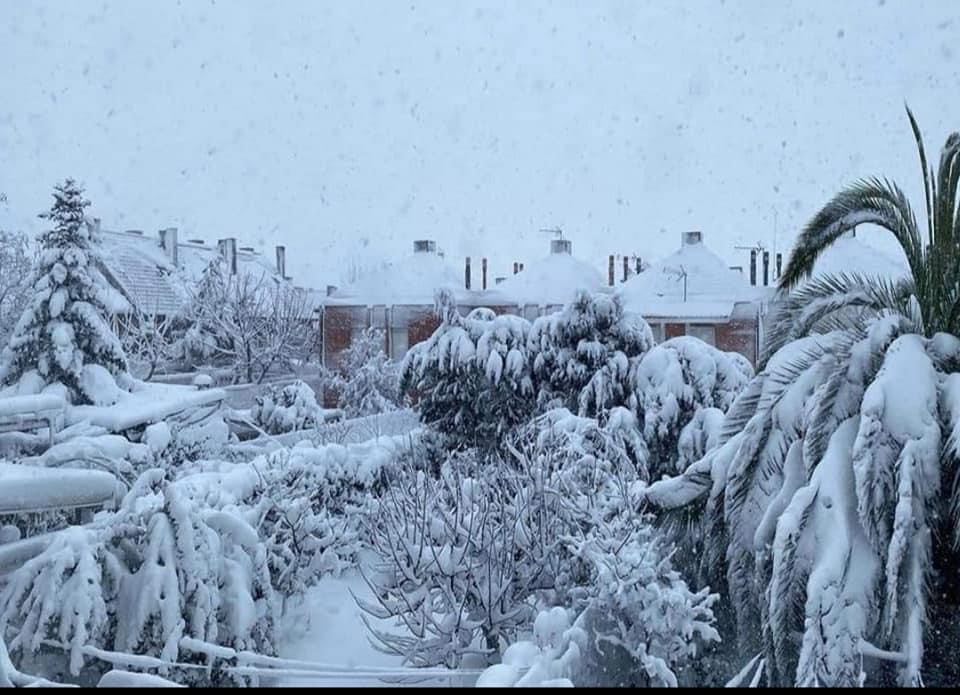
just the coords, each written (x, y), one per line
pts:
(681, 273)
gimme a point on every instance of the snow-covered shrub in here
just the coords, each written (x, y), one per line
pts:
(311, 502)
(645, 623)
(449, 564)
(64, 335)
(581, 356)
(467, 556)
(15, 267)
(366, 381)
(672, 384)
(472, 376)
(170, 563)
(553, 658)
(286, 408)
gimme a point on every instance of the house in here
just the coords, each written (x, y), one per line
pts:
(693, 292)
(398, 298)
(156, 274)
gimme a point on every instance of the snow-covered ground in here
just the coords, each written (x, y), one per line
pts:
(327, 627)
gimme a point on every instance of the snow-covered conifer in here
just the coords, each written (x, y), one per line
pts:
(64, 335)
(366, 381)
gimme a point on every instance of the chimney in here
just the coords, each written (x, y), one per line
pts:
(753, 267)
(516, 267)
(766, 268)
(521, 267)
(610, 271)
(96, 225)
(228, 251)
(691, 238)
(483, 272)
(168, 241)
(466, 274)
(639, 266)
(424, 246)
(561, 246)
(331, 289)
(626, 267)
(282, 262)
(779, 265)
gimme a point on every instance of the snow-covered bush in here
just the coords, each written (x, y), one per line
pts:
(286, 408)
(671, 385)
(581, 356)
(64, 335)
(15, 267)
(176, 560)
(466, 557)
(311, 502)
(646, 624)
(366, 381)
(449, 564)
(472, 376)
(553, 658)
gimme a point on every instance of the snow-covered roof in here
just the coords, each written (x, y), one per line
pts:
(145, 274)
(712, 288)
(552, 280)
(412, 280)
(851, 255)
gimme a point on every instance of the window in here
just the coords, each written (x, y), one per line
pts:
(705, 332)
(657, 329)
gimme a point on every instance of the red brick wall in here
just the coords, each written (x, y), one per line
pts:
(422, 326)
(739, 335)
(674, 330)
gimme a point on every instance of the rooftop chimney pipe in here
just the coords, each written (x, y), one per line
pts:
(610, 271)
(753, 268)
(168, 240)
(466, 273)
(282, 262)
(516, 267)
(483, 272)
(228, 251)
(766, 268)
(779, 265)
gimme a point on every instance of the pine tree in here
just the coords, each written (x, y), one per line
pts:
(64, 333)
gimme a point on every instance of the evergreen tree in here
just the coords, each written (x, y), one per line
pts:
(64, 332)
(367, 381)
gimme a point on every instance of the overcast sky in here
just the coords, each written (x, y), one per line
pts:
(351, 128)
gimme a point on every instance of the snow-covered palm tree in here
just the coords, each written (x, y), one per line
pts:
(835, 473)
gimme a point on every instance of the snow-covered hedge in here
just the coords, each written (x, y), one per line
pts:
(310, 505)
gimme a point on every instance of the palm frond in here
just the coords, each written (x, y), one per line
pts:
(869, 201)
(835, 296)
(927, 191)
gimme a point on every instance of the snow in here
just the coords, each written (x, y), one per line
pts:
(712, 289)
(99, 385)
(329, 627)
(32, 404)
(148, 404)
(118, 678)
(551, 281)
(29, 488)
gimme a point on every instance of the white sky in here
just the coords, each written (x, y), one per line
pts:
(352, 127)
